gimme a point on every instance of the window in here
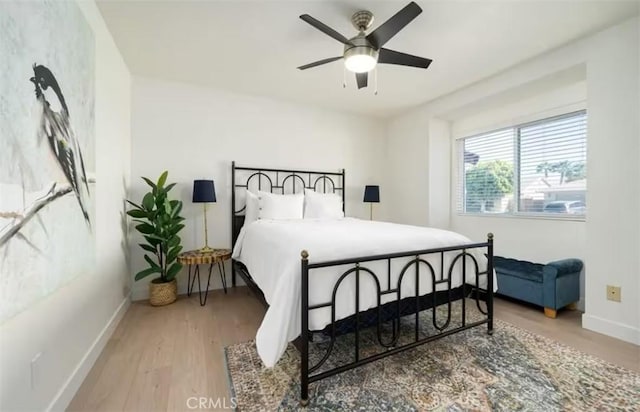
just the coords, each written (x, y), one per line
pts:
(536, 168)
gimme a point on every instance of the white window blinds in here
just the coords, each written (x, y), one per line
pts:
(488, 171)
(535, 168)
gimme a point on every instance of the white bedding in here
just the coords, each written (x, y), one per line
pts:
(270, 249)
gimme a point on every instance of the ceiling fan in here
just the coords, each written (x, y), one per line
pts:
(364, 51)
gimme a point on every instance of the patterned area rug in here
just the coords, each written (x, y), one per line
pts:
(513, 370)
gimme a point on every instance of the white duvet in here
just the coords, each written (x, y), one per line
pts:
(270, 249)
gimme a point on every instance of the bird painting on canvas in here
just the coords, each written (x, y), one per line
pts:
(55, 125)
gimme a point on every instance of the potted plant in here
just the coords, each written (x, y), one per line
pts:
(159, 222)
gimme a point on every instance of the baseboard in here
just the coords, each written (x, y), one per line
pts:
(71, 386)
(611, 328)
(141, 291)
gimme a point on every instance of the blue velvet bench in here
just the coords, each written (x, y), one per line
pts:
(553, 286)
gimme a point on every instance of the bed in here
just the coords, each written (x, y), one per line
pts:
(328, 277)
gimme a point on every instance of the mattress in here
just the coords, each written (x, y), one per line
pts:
(270, 249)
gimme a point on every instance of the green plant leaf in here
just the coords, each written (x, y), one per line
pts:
(153, 241)
(176, 229)
(149, 182)
(145, 228)
(173, 253)
(161, 197)
(133, 204)
(151, 262)
(156, 237)
(144, 273)
(169, 187)
(163, 178)
(173, 271)
(177, 208)
(148, 248)
(173, 241)
(148, 202)
(137, 213)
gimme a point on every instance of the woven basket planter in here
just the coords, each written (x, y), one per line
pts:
(161, 294)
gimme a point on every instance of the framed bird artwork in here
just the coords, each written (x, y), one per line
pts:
(47, 164)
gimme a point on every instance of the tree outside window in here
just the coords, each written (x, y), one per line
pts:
(486, 184)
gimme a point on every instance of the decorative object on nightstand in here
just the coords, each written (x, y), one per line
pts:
(204, 191)
(371, 196)
(159, 222)
(195, 258)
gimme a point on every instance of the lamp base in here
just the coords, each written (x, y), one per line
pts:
(206, 249)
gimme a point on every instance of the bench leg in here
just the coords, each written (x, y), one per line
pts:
(572, 306)
(550, 313)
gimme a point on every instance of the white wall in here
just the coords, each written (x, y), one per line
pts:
(600, 72)
(417, 171)
(613, 238)
(69, 327)
(439, 141)
(195, 133)
(406, 176)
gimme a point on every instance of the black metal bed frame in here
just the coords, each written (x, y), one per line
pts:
(277, 180)
(358, 268)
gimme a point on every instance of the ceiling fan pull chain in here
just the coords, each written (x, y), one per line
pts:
(375, 80)
(344, 77)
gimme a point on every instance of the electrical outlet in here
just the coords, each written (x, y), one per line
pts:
(614, 293)
(34, 370)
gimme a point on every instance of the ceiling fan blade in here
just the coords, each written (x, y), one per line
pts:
(362, 79)
(393, 57)
(391, 27)
(325, 29)
(319, 62)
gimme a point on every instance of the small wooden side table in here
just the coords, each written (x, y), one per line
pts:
(195, 258)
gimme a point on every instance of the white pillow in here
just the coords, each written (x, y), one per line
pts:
(279, 207)
(252, 208)
(322, 205)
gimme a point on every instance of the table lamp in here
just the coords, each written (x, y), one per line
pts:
(204, 192)
(371, 196)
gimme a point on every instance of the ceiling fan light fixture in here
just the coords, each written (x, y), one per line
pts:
(365, 50)
(360, 59)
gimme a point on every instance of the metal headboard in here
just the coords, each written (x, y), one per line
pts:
(281, 181)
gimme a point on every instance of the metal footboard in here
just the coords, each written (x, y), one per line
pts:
(421, 267)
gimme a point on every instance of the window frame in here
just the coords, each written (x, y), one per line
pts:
(516, 213)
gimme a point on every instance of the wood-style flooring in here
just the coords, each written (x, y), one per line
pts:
(158, 358)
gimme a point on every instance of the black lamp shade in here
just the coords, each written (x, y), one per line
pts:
(372, 194)
(204, 191)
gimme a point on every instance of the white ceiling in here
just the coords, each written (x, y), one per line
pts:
(254, 47)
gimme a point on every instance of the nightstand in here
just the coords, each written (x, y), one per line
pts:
(195, 258)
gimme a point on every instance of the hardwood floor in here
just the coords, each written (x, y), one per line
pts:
(159, 358)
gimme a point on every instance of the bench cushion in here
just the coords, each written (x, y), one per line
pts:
(553, 285)
(518, 268)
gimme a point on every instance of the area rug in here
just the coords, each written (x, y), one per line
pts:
(513, 370)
